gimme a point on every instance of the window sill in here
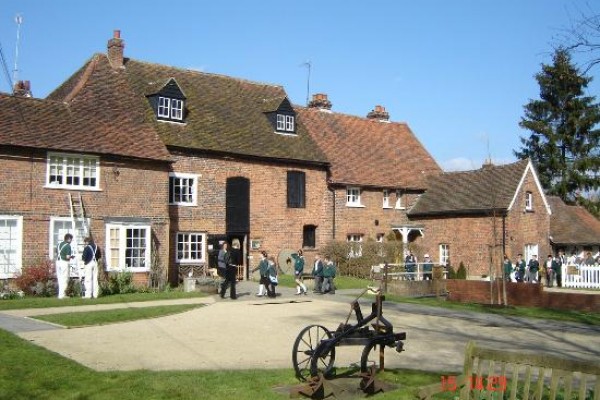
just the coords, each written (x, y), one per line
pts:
(354, 205)
(530, 210)
(286, 133)
(168, 121)
(387, 207)
(132, 270)
(400, 208)
(83, 188)
(184, 204)
(190, 262)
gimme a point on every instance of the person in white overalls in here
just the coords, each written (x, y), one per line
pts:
(91, 255)
(63, 257)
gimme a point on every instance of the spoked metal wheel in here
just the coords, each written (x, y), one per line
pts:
(372, 356)
(304, 348)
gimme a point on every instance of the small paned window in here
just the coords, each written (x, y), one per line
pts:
(182, 189)
(386, 199)
(355, 245)
(177, 109)
(399, 200)
(353, 196)
(529, 201)
(164, 107)
(285, 123)
(72, 172)
(128, 247)
(444, 254)
(190, 247)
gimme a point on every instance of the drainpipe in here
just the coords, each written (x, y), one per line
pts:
(333, 211)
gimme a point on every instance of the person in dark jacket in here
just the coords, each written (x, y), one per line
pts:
(228, 270)
(520, 268)
(263, 268)
(64, 254)
(410, 264)
(91, 255)
(328, 275)
(298, 271)
(317, 272)
(534, 268)
(507, 268)
(272, 275)
(427, 268)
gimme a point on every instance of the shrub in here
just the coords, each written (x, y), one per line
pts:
(451, 272)
(118, 283)
(38, 280)
(462, 271)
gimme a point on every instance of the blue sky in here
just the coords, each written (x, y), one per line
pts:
(458, 72)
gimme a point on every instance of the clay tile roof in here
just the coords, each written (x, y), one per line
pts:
(367, 152)
(572, 225)
(222, 114)
(471, 192)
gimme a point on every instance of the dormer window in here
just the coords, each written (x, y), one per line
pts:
(281, 115)
(169, 102)
(285, 123)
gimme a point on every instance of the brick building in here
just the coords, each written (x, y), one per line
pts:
(193, 158)
(476, 216)
(51, 150)
(378, 169)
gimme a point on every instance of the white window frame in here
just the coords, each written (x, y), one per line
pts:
(289, 123)
(281, 122)
(444, 253)
(12, 271)
(355, 241)
(177, 109)
(54, 241)
(194, 188)
(186, 259)
(121, 249)
(528, 201)
(67, 167)
(164, 107)
(530, 250)
(379, 238)
(353, 197)
(386, 198)
(399, 197)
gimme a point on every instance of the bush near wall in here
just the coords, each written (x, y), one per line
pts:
(38, 279)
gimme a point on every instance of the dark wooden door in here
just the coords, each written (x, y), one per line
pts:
(237, 211)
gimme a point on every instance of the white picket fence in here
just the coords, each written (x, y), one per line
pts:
(582, 276)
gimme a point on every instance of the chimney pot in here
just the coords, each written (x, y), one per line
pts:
(320, 100)
(116, 34)
(379, 113)
(22, 89)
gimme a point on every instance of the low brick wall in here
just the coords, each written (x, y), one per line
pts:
(521, 294)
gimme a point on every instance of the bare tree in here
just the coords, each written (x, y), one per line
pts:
(582, 37)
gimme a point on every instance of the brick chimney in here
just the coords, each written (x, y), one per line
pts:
(319, 100)
(115, 50)
(379, 113)
(22, 89)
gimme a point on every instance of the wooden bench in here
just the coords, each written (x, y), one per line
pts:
(497, 374)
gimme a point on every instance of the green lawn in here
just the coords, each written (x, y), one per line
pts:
(45, 302)
(75, 319)
(529, 312)
(31, 372)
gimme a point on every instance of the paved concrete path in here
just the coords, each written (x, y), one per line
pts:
(256, 332)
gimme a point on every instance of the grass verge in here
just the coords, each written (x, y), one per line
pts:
(31, 372)
(528, 312)
(45, 302)
(77, 319)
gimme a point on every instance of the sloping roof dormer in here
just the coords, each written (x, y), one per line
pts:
(281, 115)
(169, 102)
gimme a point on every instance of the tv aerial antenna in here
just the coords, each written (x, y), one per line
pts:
(19, 22)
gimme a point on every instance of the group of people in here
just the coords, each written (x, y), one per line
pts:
(547, 272)
(65, 254)
(410, 265)
(533, 272)
(323, 272)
